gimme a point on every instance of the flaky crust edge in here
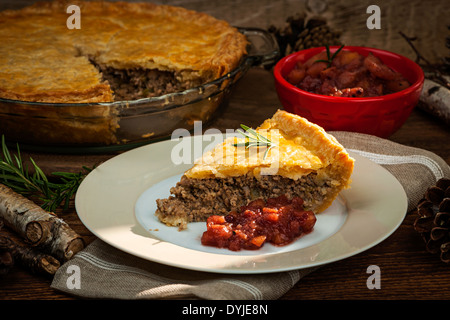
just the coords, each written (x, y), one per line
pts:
(338, 163)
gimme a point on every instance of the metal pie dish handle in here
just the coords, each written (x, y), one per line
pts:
(263, 48)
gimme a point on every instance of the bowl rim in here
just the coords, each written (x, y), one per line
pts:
(412, 88)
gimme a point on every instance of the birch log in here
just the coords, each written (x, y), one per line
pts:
(436, 100)
(38, 227)
(30, 257)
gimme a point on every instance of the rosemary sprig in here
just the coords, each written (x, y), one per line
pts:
(254, 139)
(52, 194)
(329, 56)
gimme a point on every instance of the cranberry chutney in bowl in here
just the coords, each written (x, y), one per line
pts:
(349, 88)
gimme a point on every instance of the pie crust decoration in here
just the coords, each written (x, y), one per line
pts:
(306, 162)
(43, 61)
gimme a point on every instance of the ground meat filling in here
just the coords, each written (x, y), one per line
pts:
(196, 200)
(138, 83)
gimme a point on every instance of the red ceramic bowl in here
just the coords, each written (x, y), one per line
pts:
(380, 116)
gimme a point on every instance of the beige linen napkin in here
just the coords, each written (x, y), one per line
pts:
(106, 272)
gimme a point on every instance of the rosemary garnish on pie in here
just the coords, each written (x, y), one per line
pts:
(255, 139)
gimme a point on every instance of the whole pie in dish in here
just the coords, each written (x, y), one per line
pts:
(301, 161)
(122, 51)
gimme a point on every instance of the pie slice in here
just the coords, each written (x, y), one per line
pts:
(301, 160)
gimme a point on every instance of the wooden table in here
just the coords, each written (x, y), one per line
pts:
(407, 270)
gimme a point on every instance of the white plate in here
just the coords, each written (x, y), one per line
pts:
(116, 202)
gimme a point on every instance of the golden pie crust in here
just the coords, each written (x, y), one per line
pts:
(42, 60)
(301, 148)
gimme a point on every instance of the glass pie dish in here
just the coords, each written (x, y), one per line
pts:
(121, 125)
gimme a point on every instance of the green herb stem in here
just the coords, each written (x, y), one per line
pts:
(330, 57)
(254, 139)
(16, 175)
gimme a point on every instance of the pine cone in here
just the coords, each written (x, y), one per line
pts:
(300, 33)
(433, 222)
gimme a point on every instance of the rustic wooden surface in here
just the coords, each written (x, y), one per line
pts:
(407, 270)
